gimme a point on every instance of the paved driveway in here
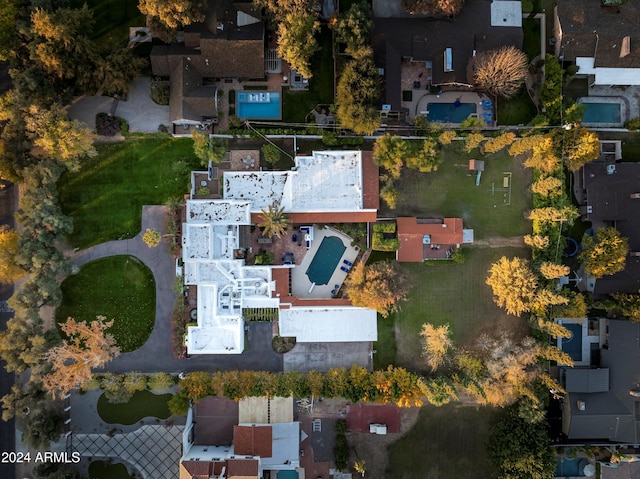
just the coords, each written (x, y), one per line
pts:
(156, 354)
(324, 356)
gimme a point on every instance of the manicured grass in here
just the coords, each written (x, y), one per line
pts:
(119, 288)
(104, 470)
(142, 404)
(297, 104)
(519, 110)
(385, 346)
(448, 442)
(106, 196)
(450, 192)
(454, 294)
(531, 37)
(113, 19)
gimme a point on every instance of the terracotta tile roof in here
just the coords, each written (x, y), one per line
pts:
(281, 277)
(242, 468)
(371, 181)
(333, 217)
(252, 440)
(314, 303)
(412, 230)
(215, 418)
(196, 469)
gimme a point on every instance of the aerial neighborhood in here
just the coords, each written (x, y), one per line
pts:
(289, 239)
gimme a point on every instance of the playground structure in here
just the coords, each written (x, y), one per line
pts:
(505, 189)
(476, 166)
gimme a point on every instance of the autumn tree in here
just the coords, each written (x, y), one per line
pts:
(357, 95)
(628, 305)
(296, 41)
(207, 149)
(87, 346)
(545, 298)
(443, 7)
(437, 343)
(472, 141)
(494, 145)
(543, 156)
(513, 283)
(389, 152)
(580, 146)
(175, 14)
(57, 137)
(425, 158)
(353, 29)
(606, 254)
(536, 241)
(547, 186)
(151, 237)
(575, 308)
(553, 329)
(274, 221)
(500, 72)
(380, 286)
(446, 137)
(525, 144)
(553, 271)
(9, 270)
(549, 214)
(389, 195)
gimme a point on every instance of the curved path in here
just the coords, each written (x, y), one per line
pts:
(156, 354)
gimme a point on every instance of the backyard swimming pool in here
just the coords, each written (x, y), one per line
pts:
(326, 260)
(602, 113)
(449, 112)
(258, 105)
(573, 345)
(571, 467)
(287, 475)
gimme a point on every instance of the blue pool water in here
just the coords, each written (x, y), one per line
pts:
(573, 345)
(287, 475)
(326, 260)
(449, 112)
(602, 113)
(258, 105)
(571, 467)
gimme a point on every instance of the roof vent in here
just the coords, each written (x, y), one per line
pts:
(611, 169)
(581, 405)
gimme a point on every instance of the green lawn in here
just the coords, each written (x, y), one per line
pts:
(113, 19)
(105, 470)
(296, 105)
(118, 287)
(142, 404)
(105, 197)
(450, 192)
(448, 293)
(519, 110)
(448, 442)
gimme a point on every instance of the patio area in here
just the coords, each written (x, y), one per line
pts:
(301, 285)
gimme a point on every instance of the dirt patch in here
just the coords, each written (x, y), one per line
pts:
(372, 448)
(516, 327)
(499, 242)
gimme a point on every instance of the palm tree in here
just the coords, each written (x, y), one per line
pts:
(274, 221)
(360, 467)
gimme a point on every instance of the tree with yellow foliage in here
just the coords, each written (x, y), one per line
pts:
(437, 343)
(554, 271)
(87, 346)
(380, 286)
(513, 283)
(606, 254)
(9, 270)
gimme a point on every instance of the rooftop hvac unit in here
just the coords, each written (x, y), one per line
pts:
(611, 169)
(582, 405)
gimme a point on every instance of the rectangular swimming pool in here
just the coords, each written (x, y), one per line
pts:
(326, 260)
(573, 345)
(602, 113)
(258, 105)
(449, 112)
(573, 467)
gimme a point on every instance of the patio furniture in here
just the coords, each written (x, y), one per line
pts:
(333, 292)
(342, 268)
(336, 287)
(348, 263)
(294, 238)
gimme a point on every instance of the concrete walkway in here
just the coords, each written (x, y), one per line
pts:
(156, 354)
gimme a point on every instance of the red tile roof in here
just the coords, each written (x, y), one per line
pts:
(242, 468)
(252, 440)
(196, 469)
(281, 277)
(370, 181)
(412, 230)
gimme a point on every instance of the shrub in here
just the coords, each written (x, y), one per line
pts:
(107, 125)
(633, 124)
(160, 381)
(271, 154)
(385, 227)
(204, 191)
(159, 91)
(527, 6)
(572, 70)
(151, 238)
(458, 256)
(470, 123)
(384, 237)
(446, 137)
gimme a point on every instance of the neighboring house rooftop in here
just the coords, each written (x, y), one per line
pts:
(420, 239)
(426, 39)
(603, 404)
(328, 324)
(612, 198)
(252, 440)
(602, 40)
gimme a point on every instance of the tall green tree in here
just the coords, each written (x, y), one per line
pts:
(605, 254)
(296, 41)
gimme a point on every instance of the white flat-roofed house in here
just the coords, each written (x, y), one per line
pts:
(323, 187)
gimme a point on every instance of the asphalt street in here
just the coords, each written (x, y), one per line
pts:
(7, 429)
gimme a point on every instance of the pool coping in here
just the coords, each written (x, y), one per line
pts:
(619, 100)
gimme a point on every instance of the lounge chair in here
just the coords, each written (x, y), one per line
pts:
(342, 268)
(294, 238)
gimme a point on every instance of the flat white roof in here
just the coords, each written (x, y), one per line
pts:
(506, 13)
(329, 324)
(324, 181)
(219, 211)
(608, 76)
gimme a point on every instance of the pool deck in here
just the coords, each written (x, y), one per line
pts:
(300, 283)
